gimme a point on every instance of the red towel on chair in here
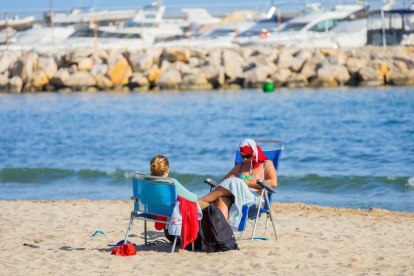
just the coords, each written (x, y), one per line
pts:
(189, 229)
(159, 225)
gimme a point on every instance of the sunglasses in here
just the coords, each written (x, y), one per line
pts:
(245, 156)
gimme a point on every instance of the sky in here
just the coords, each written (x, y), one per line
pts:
(173, 7)
(23, 6)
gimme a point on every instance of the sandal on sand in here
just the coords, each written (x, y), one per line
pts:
(159, 241)
(121, 242)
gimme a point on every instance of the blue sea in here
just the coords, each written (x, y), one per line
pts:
(347, 147)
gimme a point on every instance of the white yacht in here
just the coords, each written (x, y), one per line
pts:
(41, 35)
(17, 22)
(147, 24)
(307, 30)
(223, 36)
(78, 16)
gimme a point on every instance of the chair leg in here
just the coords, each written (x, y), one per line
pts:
(129, 227)
(241, 235)
(257, 216)
(271, 215)
(173, 246)
(267, 221)
(145, 232)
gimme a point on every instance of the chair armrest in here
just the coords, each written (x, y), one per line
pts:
(266, 186)
(211, 182)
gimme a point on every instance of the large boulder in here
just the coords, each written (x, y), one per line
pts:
(409, 62)
(40, 79)
(188, 70)
(80, 80)
(285, 60)
(400, 77)
(299, 59)
(355, 64)
(194, 62)
(214, 57)
(85, 64)
(323, 81)
(154, 73)
(270, 53)
(370, 76)
(169, 80)
(199, 53)
(309, 69)
(196, 81)
(99, 70)
(339, 73)
(29, 65)
(48, 65)
(198, 78)
(75, 56)
(245, 52)
(297, 80)
(214, 74)
(233, 64)
(255, 77)
(138, 80)
(281, 77)
(119, 70)
(4, 83)
(177, 53)
(381, 66)
(103, 82)
(60, 77)
(7, 60)
(15, 84)
(256, 61)
(339, 59)
(100, 54)
(324, 78)
(141, 62)
(328, 52)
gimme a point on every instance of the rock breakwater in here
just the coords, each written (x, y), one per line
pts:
(183, 68)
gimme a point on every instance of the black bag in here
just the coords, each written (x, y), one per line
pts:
(215, 232)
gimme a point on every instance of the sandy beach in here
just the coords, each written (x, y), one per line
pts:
(55, 238)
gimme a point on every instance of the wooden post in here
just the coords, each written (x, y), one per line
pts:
(236, 33)
(7, 30)
(95, 30)
(189, 32)
(52, 23)
(279, 23)
(384, 40)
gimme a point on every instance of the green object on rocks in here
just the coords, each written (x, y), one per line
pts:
(268, 87)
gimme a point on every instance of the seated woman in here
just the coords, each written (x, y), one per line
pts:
(239, 185)
(161, 167)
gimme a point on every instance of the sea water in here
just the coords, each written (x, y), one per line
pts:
(347, 147)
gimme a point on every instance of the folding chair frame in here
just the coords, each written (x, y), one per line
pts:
(143, 216)
(266, 190)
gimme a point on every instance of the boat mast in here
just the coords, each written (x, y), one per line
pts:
(7, 30)
(52, 23)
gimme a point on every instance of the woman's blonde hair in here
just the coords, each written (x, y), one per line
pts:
(159, 165)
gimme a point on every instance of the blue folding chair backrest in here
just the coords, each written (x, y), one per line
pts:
(272, 154)
(155, 195)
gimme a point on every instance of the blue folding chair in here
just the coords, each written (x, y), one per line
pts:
(253, 211)
(153, 196)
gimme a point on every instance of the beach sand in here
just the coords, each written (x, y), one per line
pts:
(54, 238)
